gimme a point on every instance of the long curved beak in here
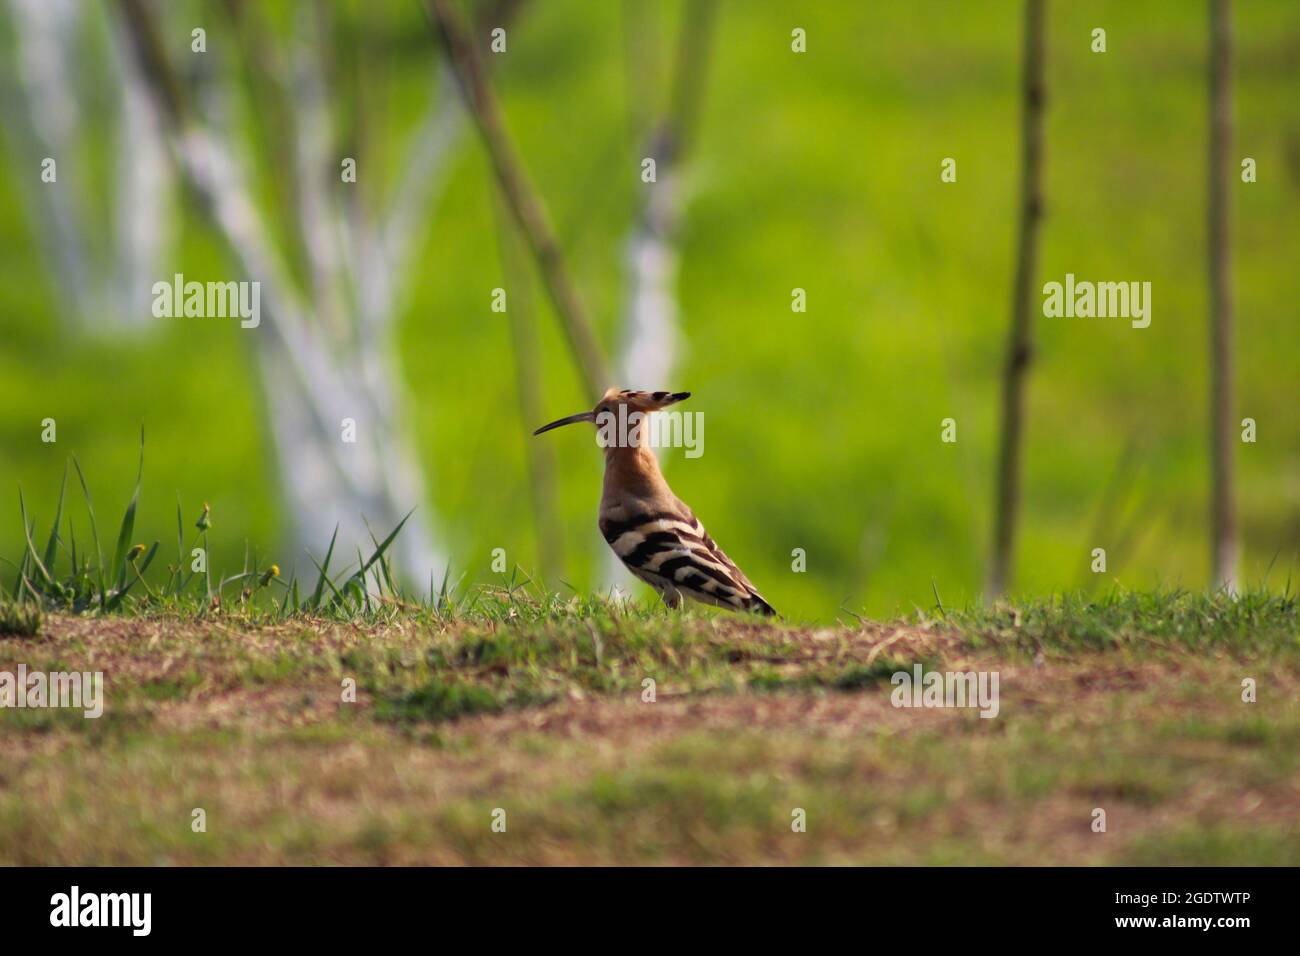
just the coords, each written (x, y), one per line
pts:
(580, 417)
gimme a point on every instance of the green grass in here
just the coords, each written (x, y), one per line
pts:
(540, 708)
(19, 619)
(520, 645)
(60, 576)
(1190, 620)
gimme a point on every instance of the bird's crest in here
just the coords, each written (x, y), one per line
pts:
(639, 401)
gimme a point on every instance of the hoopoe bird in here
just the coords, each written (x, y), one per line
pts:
(651, 530)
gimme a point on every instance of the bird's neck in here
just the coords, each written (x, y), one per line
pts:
(633, 471)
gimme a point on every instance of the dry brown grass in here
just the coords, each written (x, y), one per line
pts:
(248, 724)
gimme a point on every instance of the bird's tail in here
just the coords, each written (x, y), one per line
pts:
(759, 606)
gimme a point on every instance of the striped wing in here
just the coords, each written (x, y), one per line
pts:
(673, 553)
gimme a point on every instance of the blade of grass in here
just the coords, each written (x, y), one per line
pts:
(321, 584)
(72, 546)
(384, 569)
(18, 579)
(31, 546)
(94, 531)
(174, 582)
(51, 546)
(365, 591)
(118, 573)
(319, 592)
(360, 575)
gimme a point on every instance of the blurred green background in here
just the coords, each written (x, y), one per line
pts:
(818, 171)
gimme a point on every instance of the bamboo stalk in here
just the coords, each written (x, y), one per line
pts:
(1223, 515)
(521, 196)
(1020, 337)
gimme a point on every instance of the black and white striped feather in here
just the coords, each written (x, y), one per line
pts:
(671, 551)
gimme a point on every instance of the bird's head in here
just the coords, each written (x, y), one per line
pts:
(633, 401)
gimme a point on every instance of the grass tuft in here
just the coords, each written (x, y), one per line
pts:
(19, 620)
(1187, 620)
(437, 700)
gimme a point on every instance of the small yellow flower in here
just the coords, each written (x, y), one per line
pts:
(205, 520)
(272, 572)
(135, 552)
